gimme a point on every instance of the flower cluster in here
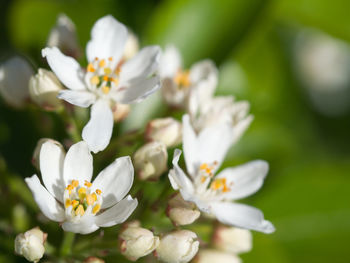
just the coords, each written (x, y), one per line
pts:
(116, 75)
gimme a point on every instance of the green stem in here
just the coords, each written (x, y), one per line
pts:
(67, 243)
(71, 125)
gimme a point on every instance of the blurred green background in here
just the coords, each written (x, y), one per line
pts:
(256, 45)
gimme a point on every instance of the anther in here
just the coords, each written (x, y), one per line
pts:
(105, 89)
(96, 209)
(90, 68)
(87, 184)
(95, 80)
(80, 210)
(102, 63)
(98, 191)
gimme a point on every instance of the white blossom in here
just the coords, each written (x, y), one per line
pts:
(69, 197)
(108, 80)
(212, 193)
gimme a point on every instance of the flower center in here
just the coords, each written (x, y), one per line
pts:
(182, 78)
(80, 199)
(101, 74)
(207, 183)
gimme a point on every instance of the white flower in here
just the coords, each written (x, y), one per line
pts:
(182, 212)
(232, 239)
(212, 255)
(31, 244)
(136, 242)
(44, 88)
(212, 194)
(180, 87)
(165, 130)
(177, 247)
(107, 79)
(36, 153)
(63, 35)
(220, 110)
(14, 81)
(151, 160)
(68, 196)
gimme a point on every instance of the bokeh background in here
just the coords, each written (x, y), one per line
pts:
(289, 58)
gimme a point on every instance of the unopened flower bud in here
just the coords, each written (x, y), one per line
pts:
(212, 255)
(93, 260)
(182, 212)
(165, 130)
(232, 239)
(63, 35)
(36, 154)
(131, 46)
(31, 244)
(136, 242)
(177, 247)
(44, 88)
(150, 160)
(120, 111)
(14, 81)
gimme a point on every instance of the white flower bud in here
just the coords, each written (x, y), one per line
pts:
(44, 88)
(36, 154)
(63, 35)
(232, 239)
(177, 247)
(182, 212)
(165, 130)
(14, 81)
(120, 111)
(31, 244)
(212, 255)
(131, 46)
(136, 242)
(150, 160)
(93, 260)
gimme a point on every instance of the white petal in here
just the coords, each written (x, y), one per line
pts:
(98, 131)
(14, 81)
(115, 181)
(242, 216)
(143, 64)
(66, 68)
(244, 180)
(189, 139)
(46, 202)
(211, 145)
(136, 90)
(79, 98)
(170, 62)
(204, 79)
(108, 38)
(78, 164)
(84, 226)
(179, 177)
(117, 214)
(51, 167)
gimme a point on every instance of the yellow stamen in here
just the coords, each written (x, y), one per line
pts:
(98, 191)
(107, 71)
(68, 202)
(94, 196)
(203, 166)
(102, 63)
(117, 70)
(182, 78)
(208, 170)
(110, 58)
(95, 80)
(82, 193)
(105, 89)
(90, 68)
(89, 199)
(87, 184)
(80, 210)
(203, 178)
(105, 78)
(96, 209)
(75, 183)
(70, 187)
(75, 203)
